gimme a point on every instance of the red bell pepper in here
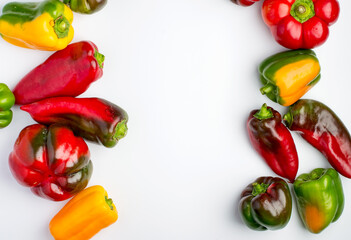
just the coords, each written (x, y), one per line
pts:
(273, 141)
(52, 161)
(300, 23)
(67, 72)
(94, 119)
(244, 3)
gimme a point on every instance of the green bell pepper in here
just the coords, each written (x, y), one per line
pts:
(7, 100)
(320, 198)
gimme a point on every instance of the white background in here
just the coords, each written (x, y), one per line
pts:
(186, 73)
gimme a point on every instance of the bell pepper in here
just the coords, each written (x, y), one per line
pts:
(273, 141)
(94, 119)
(85, 6)
(7, 100)
(244, 3)
(300, 23)
(320, 198)
(287, 76)
(266, 204)
(67, 72)
(324, 130)
(45, 25)
(84, 215)
(52, 161)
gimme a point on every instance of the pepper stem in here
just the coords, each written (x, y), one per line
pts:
(109, 202)
(121, 130)
(61, 27)
(259, 188)
(288, 119)
(100, 58)
(267, 88)
(302, 10)
(264, 113)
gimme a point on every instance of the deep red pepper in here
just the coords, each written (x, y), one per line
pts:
(300, 23)
(324, 130)
(53, 162)
(94, 119)
(273, 141)
(244, 3)
(67, 72)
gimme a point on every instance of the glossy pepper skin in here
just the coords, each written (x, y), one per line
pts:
(85, 6)
(300, 23)
(287, 76)
(273, 141)
(84, 215)
(94, 119)
(7, 100)
(244, 3)
(320, 198)
(45, 25)
(323, 129)
(67, 72)
(266, 204)
(52, 161)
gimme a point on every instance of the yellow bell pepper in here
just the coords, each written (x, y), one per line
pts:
(84, 215)
(45, 25)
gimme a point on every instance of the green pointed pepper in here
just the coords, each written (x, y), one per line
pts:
(320, 198)
(7, 100)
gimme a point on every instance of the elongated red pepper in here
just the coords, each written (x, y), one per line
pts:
(273, 141)
(94, 119)
(67, 72)
(244, 3)
(324, 130)
(53, 162)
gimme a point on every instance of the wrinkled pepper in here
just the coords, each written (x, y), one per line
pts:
(273, 141)
(7, 100)
(300, 23)
(323, 129)
(94, 119)
(84, 215)
(287, 76)
(67, 72)
(85, 6)
(52, 161)
(266, 204)
(244, 3)
(45, 25)
(320, 198)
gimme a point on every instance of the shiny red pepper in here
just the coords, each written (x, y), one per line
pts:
(94, 119)
(67, 72)
(300, 23)
(52, 161)
(244, 3)
(273, 141)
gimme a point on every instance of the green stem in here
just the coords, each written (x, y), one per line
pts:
(61, 27)
(109, 202)
(264, 113)
(288, 119)
(100, 58)
(259, 188)
(302, 10)
(121, 130)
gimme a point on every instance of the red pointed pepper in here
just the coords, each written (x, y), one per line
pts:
(94, 119)
(53, 162)
(67, 72)
(273, 141)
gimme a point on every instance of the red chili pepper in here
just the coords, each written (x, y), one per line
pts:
(300, 23)
(53, 162)
(94, 119)
(67, 72)
(273, 141)
(244, 3)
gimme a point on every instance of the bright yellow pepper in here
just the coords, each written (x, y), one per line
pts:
(45, 25)
(84, 215)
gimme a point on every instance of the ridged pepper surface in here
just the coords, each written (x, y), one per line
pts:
(52, 161)
(67, 72)
(324, 130)
(287, 76)
(45, 25)
(320, 198)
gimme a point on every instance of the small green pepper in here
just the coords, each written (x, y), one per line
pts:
(320, 198)
(85, 6)
(7, 100)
